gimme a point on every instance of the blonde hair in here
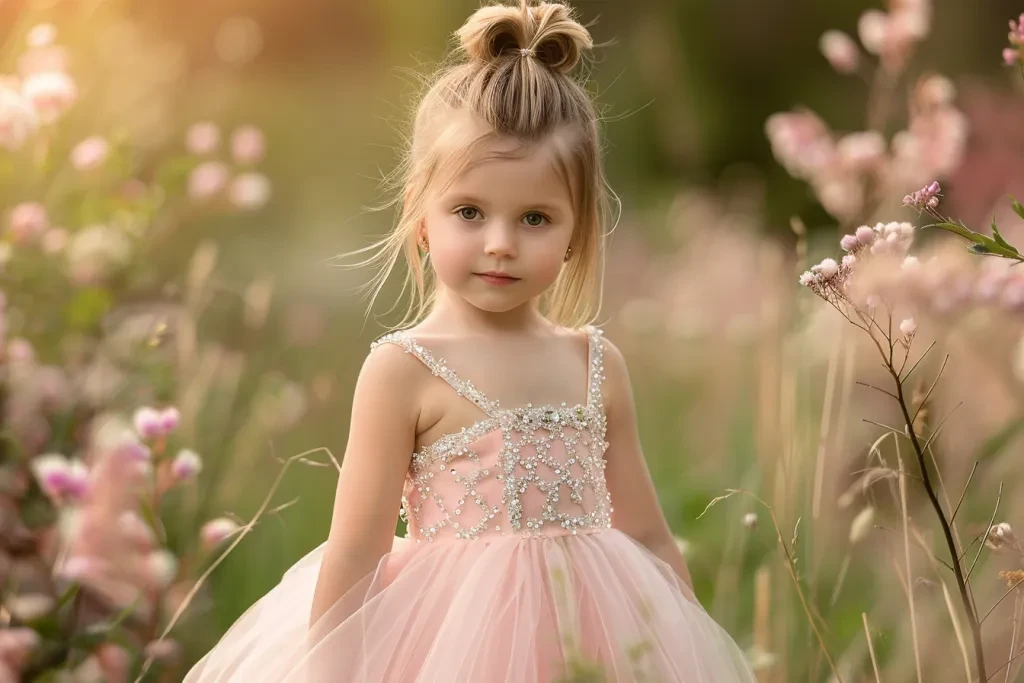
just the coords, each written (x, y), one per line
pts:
(511, 76)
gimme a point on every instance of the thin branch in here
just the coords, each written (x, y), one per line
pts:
(930, 347)
(941, 423)
(872, 386)
(1005, 595)
(992, 519)
(964, 493)
(1005, 664)
(897, 432)
(924, 401)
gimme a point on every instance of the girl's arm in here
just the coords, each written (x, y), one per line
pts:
(635, 502)
(385, 409)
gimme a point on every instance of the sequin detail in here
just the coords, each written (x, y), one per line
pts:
(455, 489)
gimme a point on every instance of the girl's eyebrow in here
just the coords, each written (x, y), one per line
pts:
(470, 199)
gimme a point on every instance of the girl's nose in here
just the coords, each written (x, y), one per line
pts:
(501, 241)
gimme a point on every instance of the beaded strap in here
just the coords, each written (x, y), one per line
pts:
(439, 367)
(595, 366)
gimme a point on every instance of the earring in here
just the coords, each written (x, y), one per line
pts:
(568, 253)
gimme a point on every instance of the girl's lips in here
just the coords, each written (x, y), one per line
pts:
(497, 279)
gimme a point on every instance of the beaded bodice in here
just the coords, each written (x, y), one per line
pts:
(530, 471)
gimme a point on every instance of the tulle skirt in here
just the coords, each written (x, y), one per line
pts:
(593, 607)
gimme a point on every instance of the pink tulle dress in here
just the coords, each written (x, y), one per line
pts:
(510, 571)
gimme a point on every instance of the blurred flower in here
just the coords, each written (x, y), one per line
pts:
(29, 606)
(248, 145)
(89, 154)
(53, 389)
(250, 190)
(148, 423)
(1016, 36)
(18, 120)
(840, 51)
(161, 568)
(54, 240)
(862, 150)
(750, 520)
(50, 93)
(95, 252)
(801, 142)
(826, 269)
(27, 222)
(849, 242)
(908, 327)
(16, 643)
(114, 662)
(862, 524)
(238, 40)
(1001, 537)
(187, 464)
(41, 35)
(162, 650)
(169, 419)
(202, 138)
(935, 90)
(61, 479)
(136, 529)
(42, 60)
(216, 530)
(207, 180)
(873, 29)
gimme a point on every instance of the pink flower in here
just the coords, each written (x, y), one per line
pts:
(169, 419)
(54, 240)
(115, 662)
(61, 479)
(161, 566)
(840, 51)
(16, 643)
(50, 93)
(1011, 55)
(207, 180)
(1016, 36)
(136, 530)
(187, 464)
(926, 197)
(148, 423)
(801, 142)
(162, 650)
(89, 154)
(248, 145)
(216, 530)
(250, 191)
(865, 235)
(28, 221)
(861, 151)
(202, 138)
(849, 242)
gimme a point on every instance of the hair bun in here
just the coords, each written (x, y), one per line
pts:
(548, 30)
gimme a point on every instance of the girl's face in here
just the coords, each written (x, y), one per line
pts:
(498, 235)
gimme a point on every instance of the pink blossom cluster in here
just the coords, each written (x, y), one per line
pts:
(890, 36)
(16, 646)
(241, 185)
(839, 168)
(925, 198)
(1012, 55)
(39, 94)
(830, 279)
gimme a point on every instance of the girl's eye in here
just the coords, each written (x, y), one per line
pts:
(535, 219)
(467, 212)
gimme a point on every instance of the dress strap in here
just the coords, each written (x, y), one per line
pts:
(595, 365)
(439, 367)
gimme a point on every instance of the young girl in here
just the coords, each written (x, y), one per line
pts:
(536, 549)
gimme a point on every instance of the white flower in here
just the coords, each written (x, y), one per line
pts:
(911, 263)
(50, 93)
(849, 260)
(41, 35)
(750, 520)
(840, 51)
(861, 150)
(187, 464)
(95, 251)
(148, 423)
(908, 327)
(216, 530)
(249, 190)
(826, 269)
(873, 28)
(161, 567)
(18, 120)
(808, 278)
(207, 180)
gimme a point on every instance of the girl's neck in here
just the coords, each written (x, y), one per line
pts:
(451, 312)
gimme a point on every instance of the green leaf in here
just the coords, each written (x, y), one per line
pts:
(1018, 208)
(979, 249)
(999, 238)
